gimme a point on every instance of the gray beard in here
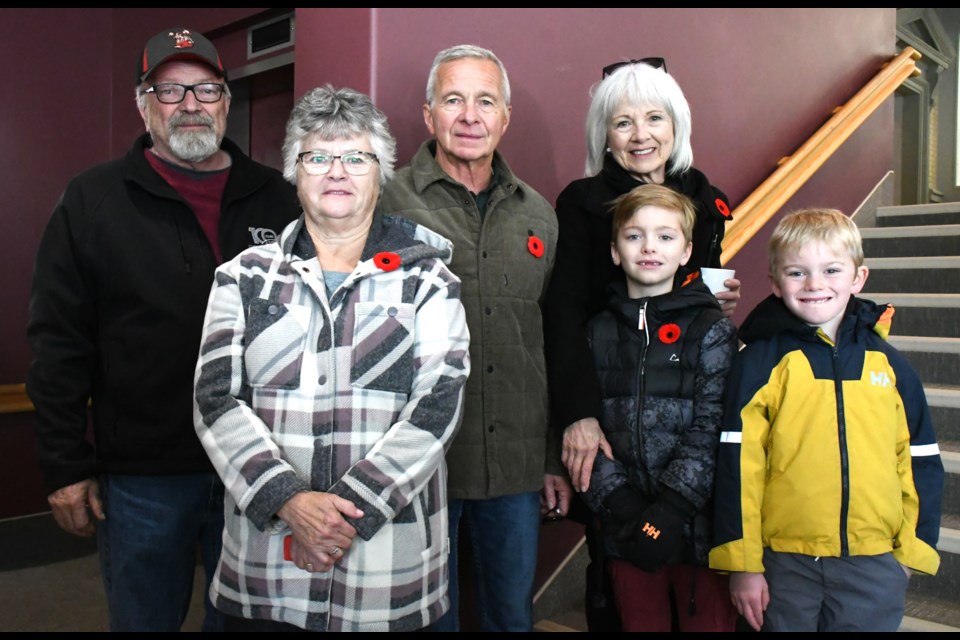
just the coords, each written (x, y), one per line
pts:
(194, 146)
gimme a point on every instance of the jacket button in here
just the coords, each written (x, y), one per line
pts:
(484, 254)
(490, 369)
(306, 269)
(488, 311)
(322, 379)
(273, 309)
(392, 312)
(490, 428)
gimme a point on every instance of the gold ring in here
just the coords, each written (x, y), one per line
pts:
(336, 550)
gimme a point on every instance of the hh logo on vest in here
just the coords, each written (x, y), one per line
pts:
(880, 379)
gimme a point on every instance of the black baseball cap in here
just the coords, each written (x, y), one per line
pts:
(177, 44)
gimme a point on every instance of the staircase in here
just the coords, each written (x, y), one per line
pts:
(914, 258)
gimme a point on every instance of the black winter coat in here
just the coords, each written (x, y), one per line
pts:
(662, 365)
(119, 294)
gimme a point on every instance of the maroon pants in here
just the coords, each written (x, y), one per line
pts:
(702, 598)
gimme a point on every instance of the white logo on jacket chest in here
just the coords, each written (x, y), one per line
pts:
(262, 235)
(880, 379)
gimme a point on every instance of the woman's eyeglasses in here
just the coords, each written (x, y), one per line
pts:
(356, 163)
(656, 63)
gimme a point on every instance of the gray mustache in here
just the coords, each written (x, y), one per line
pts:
(191, 119)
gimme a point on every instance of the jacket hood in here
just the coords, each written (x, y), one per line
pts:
(388, 234)
(771, 317)
(425, 170)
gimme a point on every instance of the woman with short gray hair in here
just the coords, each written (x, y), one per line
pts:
(329, 386)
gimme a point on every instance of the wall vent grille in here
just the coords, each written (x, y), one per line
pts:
(270, 36)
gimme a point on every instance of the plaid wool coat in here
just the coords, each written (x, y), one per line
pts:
(357, 394)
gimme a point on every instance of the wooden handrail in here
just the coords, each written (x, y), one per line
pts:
(761, 205)
(13, 398)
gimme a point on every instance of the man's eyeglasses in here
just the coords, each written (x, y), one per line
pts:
(356, 163)
(656, 63)
(172, 93)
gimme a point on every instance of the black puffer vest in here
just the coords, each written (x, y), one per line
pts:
(648, 356)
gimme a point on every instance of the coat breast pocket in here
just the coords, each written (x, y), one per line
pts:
(274, 342)
(383, 341)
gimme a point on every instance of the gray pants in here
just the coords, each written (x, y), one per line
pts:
(858, 593)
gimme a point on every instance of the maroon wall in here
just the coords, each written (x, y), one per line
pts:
(759, 83)
(50, 129)
(336, 46)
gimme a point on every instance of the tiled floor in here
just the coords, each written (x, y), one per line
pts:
(65, 595)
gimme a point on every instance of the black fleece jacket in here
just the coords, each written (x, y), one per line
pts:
(119, 294)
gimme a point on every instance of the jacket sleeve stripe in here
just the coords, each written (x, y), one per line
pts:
(731, 437)
(920, 450)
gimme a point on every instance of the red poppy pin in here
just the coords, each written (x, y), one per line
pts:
(669, 333)
(535, 246)
(386, 260)
(722, 207)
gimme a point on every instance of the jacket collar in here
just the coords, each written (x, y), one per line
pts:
(244, 176)
(388, 233)
(771, 317)
(688, 291)
(691, 183)
(425, 170)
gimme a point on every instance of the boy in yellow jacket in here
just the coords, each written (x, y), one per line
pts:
(829, 477)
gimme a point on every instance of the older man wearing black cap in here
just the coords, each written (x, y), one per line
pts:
(119, 295)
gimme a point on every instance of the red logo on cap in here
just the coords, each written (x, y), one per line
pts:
(182, 39)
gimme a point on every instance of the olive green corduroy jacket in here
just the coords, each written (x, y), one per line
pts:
(504, 261)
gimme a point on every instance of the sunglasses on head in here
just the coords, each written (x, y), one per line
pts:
(656, 63)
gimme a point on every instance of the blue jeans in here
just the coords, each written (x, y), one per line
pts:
(503, 533)
(148, 547)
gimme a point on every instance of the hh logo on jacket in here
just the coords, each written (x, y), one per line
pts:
(879, 379)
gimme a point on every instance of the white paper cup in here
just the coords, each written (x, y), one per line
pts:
(714, 278)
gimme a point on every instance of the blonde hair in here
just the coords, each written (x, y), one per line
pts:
(654, 195)
(829, 226)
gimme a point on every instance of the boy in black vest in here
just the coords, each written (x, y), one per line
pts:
(662, 351)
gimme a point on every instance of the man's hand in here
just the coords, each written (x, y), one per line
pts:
(729, 299)
(580, 443)
(750, 596)
(73, 504)
(556, 495)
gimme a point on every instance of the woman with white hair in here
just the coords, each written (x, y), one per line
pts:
(329, 385)
(638, 132)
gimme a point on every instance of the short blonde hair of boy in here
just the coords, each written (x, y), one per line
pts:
(654, 195)
(829, 226)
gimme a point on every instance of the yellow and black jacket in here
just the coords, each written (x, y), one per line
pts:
(827, 449)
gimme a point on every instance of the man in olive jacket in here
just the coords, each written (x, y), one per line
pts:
(504, 235)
